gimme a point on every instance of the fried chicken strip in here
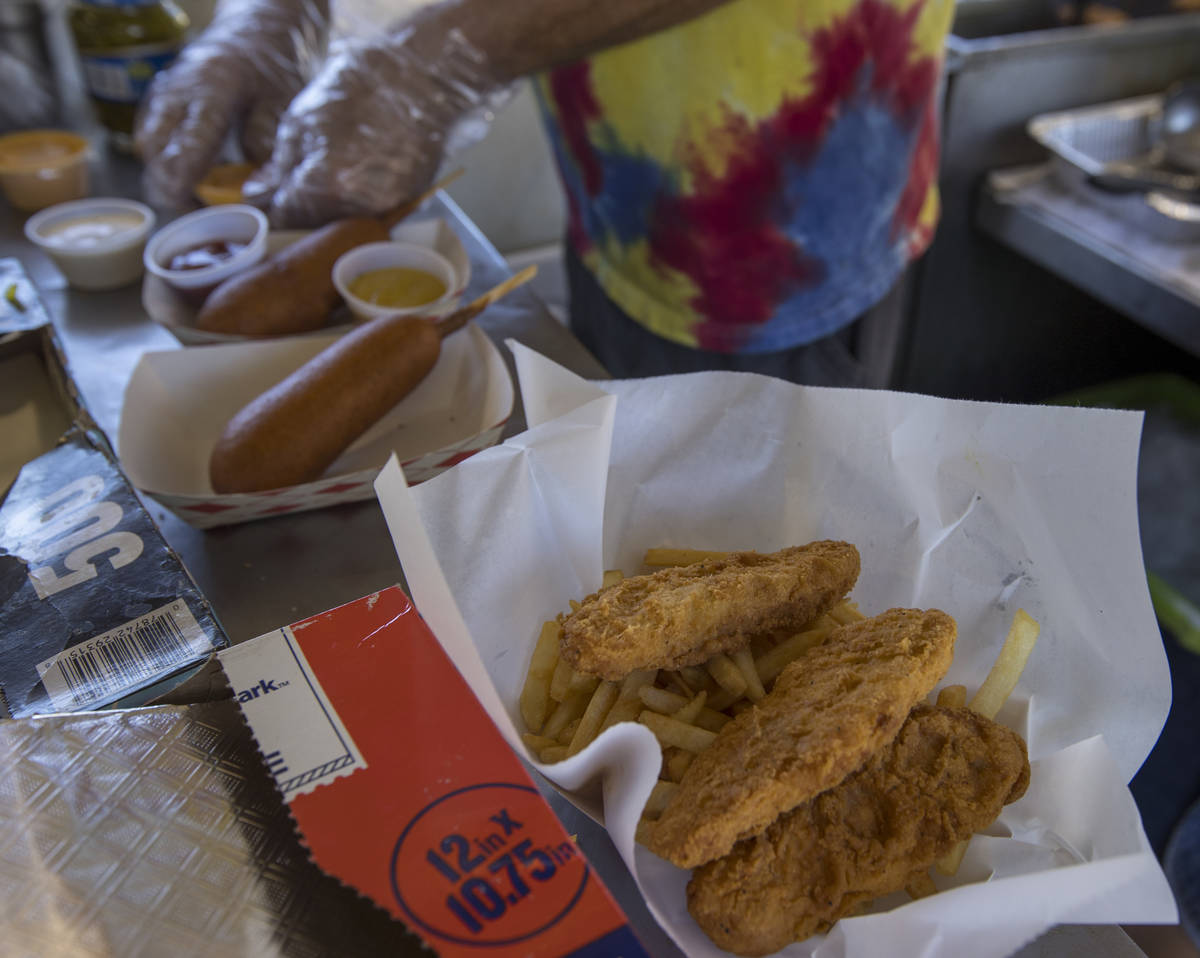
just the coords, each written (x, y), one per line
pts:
(945, 776)
(826, 714)
(685, 615)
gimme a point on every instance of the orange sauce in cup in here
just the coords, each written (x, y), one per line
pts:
(39, 168)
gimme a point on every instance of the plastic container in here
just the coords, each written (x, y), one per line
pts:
(235, 225)
(39, 168)
(96, 243)
(1089, 141)
(122, 44)
(223, 184)
(387, 255)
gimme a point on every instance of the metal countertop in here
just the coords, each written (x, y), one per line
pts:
(264, 574)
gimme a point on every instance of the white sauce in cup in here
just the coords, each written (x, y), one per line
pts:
(87, 231)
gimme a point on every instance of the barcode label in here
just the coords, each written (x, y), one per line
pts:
(106, 666)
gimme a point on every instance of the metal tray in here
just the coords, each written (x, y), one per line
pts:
(1088, 141)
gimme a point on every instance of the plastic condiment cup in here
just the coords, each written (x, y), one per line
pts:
(232, 223)
(39, 168)
(387, 255)
(223, 184)
(96, 243)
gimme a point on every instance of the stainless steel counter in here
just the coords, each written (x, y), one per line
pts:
(1098, 245)
(981, 327)
(261, 575)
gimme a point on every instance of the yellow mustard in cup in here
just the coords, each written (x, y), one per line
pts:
(397, 287)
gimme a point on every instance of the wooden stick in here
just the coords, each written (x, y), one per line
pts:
(404, 210)
(452, 322)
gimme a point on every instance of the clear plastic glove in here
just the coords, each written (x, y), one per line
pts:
(373, 128)
(238, 76)
(28, 95)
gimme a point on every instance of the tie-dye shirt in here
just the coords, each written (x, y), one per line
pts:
(756, 178)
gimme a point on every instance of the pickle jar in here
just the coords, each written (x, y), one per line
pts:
(122, 44)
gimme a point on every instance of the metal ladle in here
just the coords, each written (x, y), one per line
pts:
(1179, 125)
(1174, 134)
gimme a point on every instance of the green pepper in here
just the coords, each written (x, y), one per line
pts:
(10, 294)
(1176, 612)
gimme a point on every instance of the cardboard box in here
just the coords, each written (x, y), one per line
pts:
(400, 787)
(363, 719)
(94, 606)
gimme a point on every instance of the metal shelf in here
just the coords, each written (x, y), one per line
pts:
(1097, 246)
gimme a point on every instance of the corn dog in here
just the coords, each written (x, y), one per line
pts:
(296, 429)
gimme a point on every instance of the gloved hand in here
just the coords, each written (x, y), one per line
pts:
(239, 74)
(28, 95)
(372, 129)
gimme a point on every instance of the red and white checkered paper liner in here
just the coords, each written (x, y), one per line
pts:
(178, 402)
(209, 511)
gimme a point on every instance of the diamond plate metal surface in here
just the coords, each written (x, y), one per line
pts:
(159, 832)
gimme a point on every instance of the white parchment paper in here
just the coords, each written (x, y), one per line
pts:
(974, 508)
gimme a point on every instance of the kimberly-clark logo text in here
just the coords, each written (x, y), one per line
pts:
(263, 687)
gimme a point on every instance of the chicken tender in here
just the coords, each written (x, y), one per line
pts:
(945, 776)
(685, 615)
(826, 714)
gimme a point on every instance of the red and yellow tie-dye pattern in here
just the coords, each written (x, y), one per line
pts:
(756, 178)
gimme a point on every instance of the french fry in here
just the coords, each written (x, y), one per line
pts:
(845, 612)
(690, 709)
(660, 798)
(712, 720)
(948, 863)
(771, 663)
(555, 753)
(663, 556)
(535, 743)
(582, 683)
(680, 684)
(560, 681)
(996, 688)
(564, 737)
(726, 674)
(629, 704)
(670, 731)
(535, 695)
(695, 677)
(745, 663)
(669, 703)
(611, 577)
(920, 885)
(593, 716)
(662, 700)
(722, 700)
(1009, 664)
(952, 696)
(675, 763)
(564, 714)
(763, 642)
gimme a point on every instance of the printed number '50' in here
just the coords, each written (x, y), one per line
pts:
(80, 527)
